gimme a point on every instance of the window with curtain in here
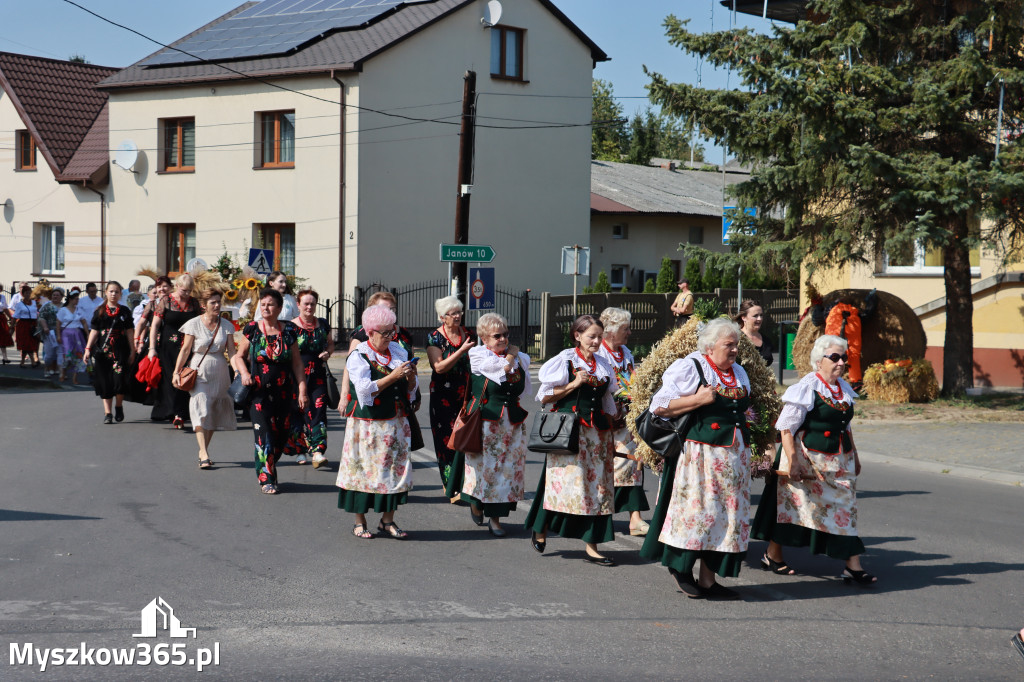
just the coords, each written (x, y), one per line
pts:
(179, 144)
(921, 259)
(507, 52)
(277, 139)
(51, 248)
(281, 238)
(181, 247)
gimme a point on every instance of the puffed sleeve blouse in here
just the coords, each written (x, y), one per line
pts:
(359, 371)
(681, 379)
(555, 373)
(798, 400)
(485, 362)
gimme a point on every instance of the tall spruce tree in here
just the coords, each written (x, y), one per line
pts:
(872, 129)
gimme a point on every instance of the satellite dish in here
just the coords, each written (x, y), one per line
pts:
(195, 265)
(492, 14)
(126, 155)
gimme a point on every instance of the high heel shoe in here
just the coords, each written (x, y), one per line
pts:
(538, 545)
(776, 567)
(862, 578)
(478, 519)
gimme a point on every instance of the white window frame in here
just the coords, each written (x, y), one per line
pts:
(919, 268)
(49, 262)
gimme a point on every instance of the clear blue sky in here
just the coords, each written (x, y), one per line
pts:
(630, 31)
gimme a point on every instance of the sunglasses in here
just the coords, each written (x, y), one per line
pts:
(502, 335)
(836, 357)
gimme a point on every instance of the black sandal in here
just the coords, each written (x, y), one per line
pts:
(776, 567)
(860, 577)
(392, 530)
(205, 463)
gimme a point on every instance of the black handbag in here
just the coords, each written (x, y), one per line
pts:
(239, 392)
(556, 433)
(333, 394)
(666, 436)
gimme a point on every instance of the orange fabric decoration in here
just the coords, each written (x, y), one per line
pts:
(852, 333)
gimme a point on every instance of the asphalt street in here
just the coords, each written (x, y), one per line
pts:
(97, 521)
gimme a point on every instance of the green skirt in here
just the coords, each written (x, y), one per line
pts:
(630, 499)
(725, 564)
(766, 527)
(358, 502)
(457, 475)
(592, 529)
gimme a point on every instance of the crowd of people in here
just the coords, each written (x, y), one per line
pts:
(171, 349)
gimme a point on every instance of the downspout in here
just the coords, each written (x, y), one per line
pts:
(103, 233)
(341, 199)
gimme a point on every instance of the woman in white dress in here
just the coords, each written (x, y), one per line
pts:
(811, 501)
(210, 407)
(575, 496)
(629, 473)
(703, 510)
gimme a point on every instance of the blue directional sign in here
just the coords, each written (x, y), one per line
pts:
(262, 261)
(727, 221)
(481, 289)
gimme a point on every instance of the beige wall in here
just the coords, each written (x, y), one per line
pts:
(37, 198)
(225, 197)
(649, 238)
(531, 189)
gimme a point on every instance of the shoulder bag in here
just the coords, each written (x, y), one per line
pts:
(333, 393)
(666, 436)
(468, 431)
(556, 433)
(239, 392)
(187, 376)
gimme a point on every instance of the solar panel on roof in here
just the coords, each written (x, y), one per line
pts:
(275, 27)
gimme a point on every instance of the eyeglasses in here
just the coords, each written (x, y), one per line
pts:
(390, 334)
(456, 314)
(502, 335)
(836, 357)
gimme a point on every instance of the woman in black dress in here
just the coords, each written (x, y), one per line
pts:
(446, 350)
(278, 383)
(315, 346)
(111, 344)
(165, 339)
(749, 318)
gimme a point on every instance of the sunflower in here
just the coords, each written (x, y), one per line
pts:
(231, 294)
(251, 283)
(238, 283)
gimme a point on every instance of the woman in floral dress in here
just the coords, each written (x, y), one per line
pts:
(271, 346)
(111, 342)
(447, 348)
(165, 338)
(575, 496)
(492, 481)
(629, 473)
(703, 508)
(315, 346)
(74, 328)
(375, 471)
(811, 500)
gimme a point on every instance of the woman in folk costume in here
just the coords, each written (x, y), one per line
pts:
(812, 499)
(575, 496)
(375, 471)
(703, 508)
(629, 473)
(492, 481)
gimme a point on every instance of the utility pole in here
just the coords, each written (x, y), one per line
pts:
(466, 148)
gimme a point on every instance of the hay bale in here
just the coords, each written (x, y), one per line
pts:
(893, 331)
(901, 381)
(680, 343)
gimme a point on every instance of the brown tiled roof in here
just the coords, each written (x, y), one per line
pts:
(341, 51)
(60, 107)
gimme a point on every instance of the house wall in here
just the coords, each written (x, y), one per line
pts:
(649, 238)
(225, 197)
(531, 190)
(36, 197)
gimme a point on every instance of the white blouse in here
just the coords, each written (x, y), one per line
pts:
(359, 371)
(798, 400)
(681, 379)
(627, 357)
(69, 319)
(555, 373)
(484, 362)
(3, 303)
(25, 311)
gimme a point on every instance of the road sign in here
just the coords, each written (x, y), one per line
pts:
(481, 289)
(569, 255)
(727, 221)
(262, 261)
(466, 253)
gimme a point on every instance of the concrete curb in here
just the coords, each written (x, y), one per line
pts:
(959, 470)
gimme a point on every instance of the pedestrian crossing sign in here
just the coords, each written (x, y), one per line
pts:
(262, 261)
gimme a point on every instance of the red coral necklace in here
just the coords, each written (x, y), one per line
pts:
(591, 363)
(728, 378)
(616, 356)
(836, 395)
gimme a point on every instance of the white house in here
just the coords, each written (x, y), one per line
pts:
(340, 149)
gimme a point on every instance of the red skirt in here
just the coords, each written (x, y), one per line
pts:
(23, 335)
(5, 333)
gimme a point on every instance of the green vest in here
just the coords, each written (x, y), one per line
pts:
(825, 426)
(716, 424)
(497, 397)
(586, 402)
(387, 404)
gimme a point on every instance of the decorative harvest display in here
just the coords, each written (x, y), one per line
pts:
(901, 381)
(680, 343)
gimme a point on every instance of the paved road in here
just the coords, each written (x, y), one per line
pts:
(99, 520)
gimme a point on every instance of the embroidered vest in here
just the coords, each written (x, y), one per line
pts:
(387, 404)
(716, 424)
(825, 426)
(589, 397)
(498, 397)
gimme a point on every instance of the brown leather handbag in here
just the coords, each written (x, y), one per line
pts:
(187, 376)
(468, 431)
